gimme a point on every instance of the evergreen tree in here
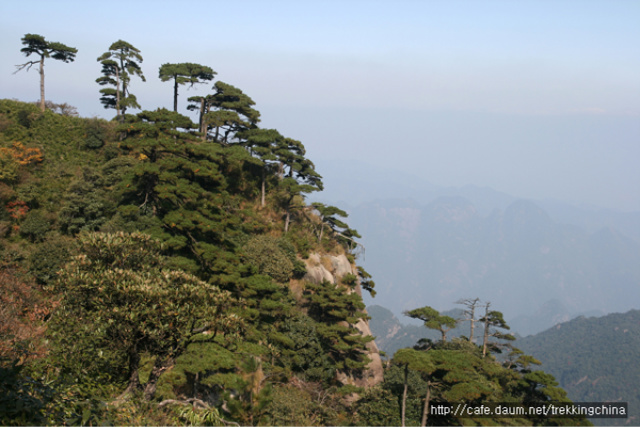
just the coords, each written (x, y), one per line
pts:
(494, 320)
(262, 143)
(337, 312)
(183, 73)
(36, 44)
(419, 361)
(228, 112)
(329, 217)
(179, 183)
(119, 63)
(433, 320)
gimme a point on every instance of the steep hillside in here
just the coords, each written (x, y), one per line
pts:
(155, 274)
(595, 359)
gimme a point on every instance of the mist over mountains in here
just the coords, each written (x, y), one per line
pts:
(539, 262)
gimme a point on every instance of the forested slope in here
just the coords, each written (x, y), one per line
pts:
(139, 260)
(594, 359)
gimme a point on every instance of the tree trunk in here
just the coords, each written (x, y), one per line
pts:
(202, 129)
(425, 410)
(175, 94)
(134, 380)
(150, 388)
(321, 232)
(286, 221)
(264, 179)
(118, 97)
(42, 107)
(404, 393)
(486, 332)
(472, 331)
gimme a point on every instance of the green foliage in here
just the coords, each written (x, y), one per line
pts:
(183, 73)
(226, 113)
(8, 167)
(85, 204)
(336, 312)
(433, 320)
(35, 226)
(291, 406)
(270, 256)
(95, 134)
(179, 181)
(588, 357)
(305, 355)
(119, 63)
(198, 309)
(48, 258)
(459, 371)
(22, 400)
(377, 407)
(115, 296)
(36, 44)
(340, 230)
(366, 282)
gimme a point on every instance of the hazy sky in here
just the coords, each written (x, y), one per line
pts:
(534, 98)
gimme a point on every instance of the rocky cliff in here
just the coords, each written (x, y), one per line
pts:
(331, 268)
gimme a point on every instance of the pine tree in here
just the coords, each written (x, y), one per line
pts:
(228, 112)
(494, 320)
(183, 73)
(433, 320)
(36, 44)
(119, 63)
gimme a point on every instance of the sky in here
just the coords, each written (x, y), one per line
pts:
(539, 99)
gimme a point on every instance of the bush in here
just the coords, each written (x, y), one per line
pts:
(35, 226)
(48, 258)
(267, 256)
(94, 134)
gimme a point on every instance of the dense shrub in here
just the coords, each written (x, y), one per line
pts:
(48, 258)
(94, 134)
(266, 254)
(34, 226)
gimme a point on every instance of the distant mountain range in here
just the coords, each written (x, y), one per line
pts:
(539, 262)
(536, 271)
(351, 183)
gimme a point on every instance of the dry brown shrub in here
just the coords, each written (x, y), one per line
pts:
(23, 311)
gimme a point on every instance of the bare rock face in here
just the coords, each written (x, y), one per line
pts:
(331, 268)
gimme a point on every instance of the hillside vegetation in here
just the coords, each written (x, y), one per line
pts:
(594, 359)
(155, 271)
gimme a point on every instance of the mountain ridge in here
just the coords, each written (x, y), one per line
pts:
(520, 258)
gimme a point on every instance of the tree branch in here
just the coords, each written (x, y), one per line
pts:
(26, 65)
